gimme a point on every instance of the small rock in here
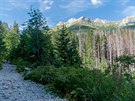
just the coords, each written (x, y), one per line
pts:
(27, 69)
(14, 88)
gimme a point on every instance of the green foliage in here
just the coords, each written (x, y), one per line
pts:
(126, 60)
(103, 65)
(11, 40)
(127, 92)
(36, 75)
(125, 64)
(88, 59)
(81, 28)
(21, 64)
(66, 48)
(33, 36)
(35, 41)
(77, 84)
(37, 45)
(83, 84)
(0, 65)
(42, 74)
(3, 31)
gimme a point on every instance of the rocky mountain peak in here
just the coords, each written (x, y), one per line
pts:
(129, 19)
(96, 21)
(84, 19)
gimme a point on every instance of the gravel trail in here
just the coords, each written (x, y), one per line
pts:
(14, 88)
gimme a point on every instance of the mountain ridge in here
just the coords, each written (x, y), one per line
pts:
(82, 19)
(98, 20)
(84, 23)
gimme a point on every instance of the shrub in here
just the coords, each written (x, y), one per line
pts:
(0, 65)
(21, 64)
(35, 75)
(73, 83)
(41, 74)
(81, 84)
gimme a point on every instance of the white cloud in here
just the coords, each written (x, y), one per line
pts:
(129, 11)
(124, 2)
(76, 6)
(96, 2)
(128, 7)
(45, 5)
(16, 4)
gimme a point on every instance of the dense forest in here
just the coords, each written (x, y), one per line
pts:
(97, 65)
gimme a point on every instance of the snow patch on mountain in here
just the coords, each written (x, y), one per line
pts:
(97, 21)
(129, 19)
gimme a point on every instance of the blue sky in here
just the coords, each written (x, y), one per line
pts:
(62, 10)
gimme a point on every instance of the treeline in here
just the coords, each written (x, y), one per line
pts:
(9, 39)
(91, 66)
(106, 45)
(38, 45)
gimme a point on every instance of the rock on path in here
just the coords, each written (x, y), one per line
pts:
(14, 88)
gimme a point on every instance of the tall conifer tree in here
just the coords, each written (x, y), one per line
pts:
(66, 47)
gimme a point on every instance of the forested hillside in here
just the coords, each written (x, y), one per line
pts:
(80, 63)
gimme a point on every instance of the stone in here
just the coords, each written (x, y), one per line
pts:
(14, 88)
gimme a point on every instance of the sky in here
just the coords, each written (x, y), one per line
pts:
(62, 10)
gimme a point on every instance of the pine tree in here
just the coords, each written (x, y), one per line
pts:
(36, 39)
(74, 57)
(2, 33)
(88, 49)
(66, 48)
(12, 38)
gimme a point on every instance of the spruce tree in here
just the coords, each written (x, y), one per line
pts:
(36, 39)
(66, 48)
(2, 33)
(12, 38)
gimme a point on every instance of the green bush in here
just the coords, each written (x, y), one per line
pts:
(35, 75)
(41, 74)
(21, 64)
(77, 84)
(0, 65)
(83, 84)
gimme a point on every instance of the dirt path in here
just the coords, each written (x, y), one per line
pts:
(14, 88)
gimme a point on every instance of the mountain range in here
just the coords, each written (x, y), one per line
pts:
(84, 23)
